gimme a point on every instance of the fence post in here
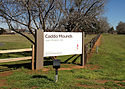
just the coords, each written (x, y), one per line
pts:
(97, 48)
(39, 49)
(85, 53)
(90, 45)
(33, 57)
(82, 57)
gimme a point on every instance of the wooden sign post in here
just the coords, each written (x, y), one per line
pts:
(82, 55)
(39, 49)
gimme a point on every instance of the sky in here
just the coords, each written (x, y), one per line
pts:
(115, 12)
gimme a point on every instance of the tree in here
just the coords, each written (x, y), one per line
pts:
(103, 25)
(50, 15)
(29, 14)
(81, 15)
(121, 28)
(111, 30)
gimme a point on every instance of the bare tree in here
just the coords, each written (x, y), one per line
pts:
(30, 14)
(81, 14)
(50, 15)
(103, 25)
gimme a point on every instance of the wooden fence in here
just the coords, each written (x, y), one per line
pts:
(87, 49)
(89, 46)
(19, 58)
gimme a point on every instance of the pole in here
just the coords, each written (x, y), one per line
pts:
(56, 76)
(97, 49)
(82, 57)
(39, 49)
(33, 57)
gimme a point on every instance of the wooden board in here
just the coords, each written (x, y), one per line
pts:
(16, 50)
(15, 59)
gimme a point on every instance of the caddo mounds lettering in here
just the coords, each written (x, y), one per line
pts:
(58, 36)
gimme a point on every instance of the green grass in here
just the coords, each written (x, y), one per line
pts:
(108, 72)
(111, 57)
(14, 42)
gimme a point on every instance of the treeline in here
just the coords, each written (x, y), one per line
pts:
(121, 28)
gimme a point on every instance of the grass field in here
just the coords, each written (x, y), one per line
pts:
(105, 70)
(14, 42)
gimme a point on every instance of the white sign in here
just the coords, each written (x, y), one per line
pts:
(62, 43)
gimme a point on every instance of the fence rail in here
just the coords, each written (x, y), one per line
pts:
(15, 59)
(15, 51)
(19, 58)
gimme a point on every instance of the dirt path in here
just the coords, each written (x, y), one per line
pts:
(3, 82)
(69, 68)
(6, 73)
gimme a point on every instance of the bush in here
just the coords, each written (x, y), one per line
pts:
(121, 28)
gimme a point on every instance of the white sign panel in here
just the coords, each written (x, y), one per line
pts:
(62, 43)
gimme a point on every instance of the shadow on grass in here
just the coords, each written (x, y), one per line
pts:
(47, 61)
(42, 76)
(7, 67)
(69, 58)
(75, 59)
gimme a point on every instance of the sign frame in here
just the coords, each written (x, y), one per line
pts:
(39, 50)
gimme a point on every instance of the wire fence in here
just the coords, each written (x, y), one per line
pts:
(89, 46)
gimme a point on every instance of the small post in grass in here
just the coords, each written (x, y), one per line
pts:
(97, 49)
(56, 65)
